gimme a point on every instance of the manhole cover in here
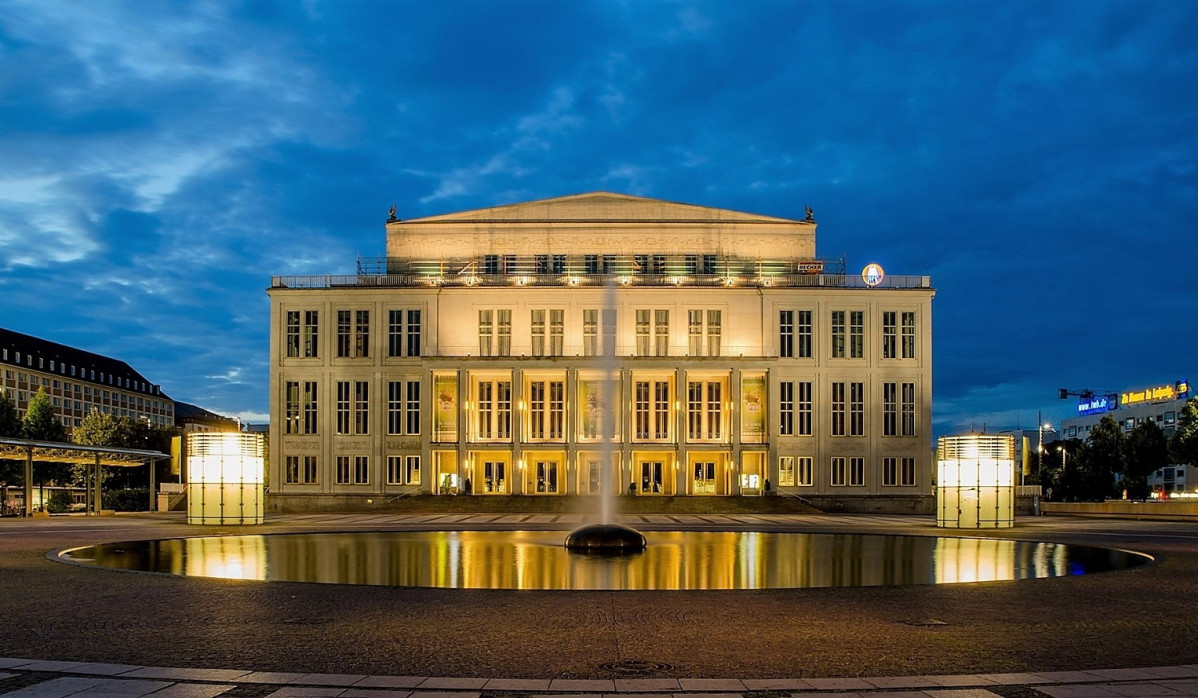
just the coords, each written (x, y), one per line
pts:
(635, 667)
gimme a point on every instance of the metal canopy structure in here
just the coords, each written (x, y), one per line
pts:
(32, 451)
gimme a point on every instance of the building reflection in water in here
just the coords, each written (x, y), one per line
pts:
(673, 560)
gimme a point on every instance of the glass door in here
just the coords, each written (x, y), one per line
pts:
(704, 478)
(651, 482)
(494, 477)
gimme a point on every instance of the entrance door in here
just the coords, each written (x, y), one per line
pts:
(704, 478)
(594, 476)
(651, 482)
(546, 477)
(494, 480)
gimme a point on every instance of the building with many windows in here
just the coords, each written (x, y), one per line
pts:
(78, 381)
(548, 347)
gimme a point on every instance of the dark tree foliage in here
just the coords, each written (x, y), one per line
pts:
(1145, 450)
(1184, 445)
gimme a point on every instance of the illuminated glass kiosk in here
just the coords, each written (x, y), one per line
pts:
(225, 473)
(975, 481)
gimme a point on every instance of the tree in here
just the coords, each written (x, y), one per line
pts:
(1100, 460)
(1145, 450)
(103, 429)
(10, 420)
(1184, 445)
(11, 471)
(40, 423)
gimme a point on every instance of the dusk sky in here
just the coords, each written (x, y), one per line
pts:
(160, 161)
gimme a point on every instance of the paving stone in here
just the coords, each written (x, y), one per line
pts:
(516, 685)
(899, 681)
(962, 693)
(57, 688)
(1124, 674)
(776, 684)
(645, 685)
(1014, 679)
(391, 682)
(188, 674)
(451, 683)
(12, 662)
(52, 666)
(1076, 691)
(282, 677)
(1143, 690)
(330, 679)
(829, 684)
(711, 685)
(445, 694)
(102, 669)
(374, 693)
(307, 692)
(960, 680)
(894, 694)
(1173, 672)
(588, 685)
(1070, 676)
(709, 695)
(193, 690)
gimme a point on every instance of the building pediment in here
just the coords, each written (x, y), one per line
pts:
(600, 207)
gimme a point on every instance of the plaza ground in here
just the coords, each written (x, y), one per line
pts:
(798, 639)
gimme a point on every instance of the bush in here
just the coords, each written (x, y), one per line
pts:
(134, 499)
(59, 502)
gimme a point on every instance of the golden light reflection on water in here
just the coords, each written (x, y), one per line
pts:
(673, 560)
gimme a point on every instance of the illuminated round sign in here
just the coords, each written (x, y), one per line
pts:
(872, 274)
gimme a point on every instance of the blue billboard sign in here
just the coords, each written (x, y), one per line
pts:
(1098, 404)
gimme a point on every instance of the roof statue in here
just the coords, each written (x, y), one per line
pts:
(810, 213)
(391, 214)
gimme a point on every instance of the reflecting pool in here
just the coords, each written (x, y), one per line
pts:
(672, 560)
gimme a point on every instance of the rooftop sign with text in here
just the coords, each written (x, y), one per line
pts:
(1159, 393)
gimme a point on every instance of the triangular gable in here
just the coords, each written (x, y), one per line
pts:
(599, 206)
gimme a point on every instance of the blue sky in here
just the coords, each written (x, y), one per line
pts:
(160, 161)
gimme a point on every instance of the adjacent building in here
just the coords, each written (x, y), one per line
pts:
(602, 341)
(1160, 404)
(78, 381)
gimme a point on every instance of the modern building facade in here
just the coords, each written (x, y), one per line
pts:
(1160, 404)
(601, 341)
(78, 381)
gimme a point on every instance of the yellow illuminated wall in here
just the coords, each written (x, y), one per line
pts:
(975, 481)
(225, 472)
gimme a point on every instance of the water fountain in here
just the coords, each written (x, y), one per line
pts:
(607, 537)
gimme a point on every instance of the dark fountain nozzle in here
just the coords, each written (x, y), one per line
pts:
(606, 539)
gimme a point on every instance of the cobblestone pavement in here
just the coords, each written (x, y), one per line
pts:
(69, 630)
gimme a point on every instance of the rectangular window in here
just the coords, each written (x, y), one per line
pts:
(857, 334)
(786, 333)
(709, 264)
(786, 471)
(715, 330)
(361, 407)
(856, 409)
(856, 471)
(889, 335)
(651, 407)
(661, 332)
(642, 332)
(541, 264)
(690, 264)
(310, 332)
(291, 472)
(907, 474)
(344, 470)
(353, 333)
(786, 408)
(559, 264)
(343, 402)
(804, 473)
(695, 332)
(557, 332)
(705, 407)
(394, 333)
(403, 470)
(890, 472)
(839, 474)
(293, 340)
(804, 409)
(590, 332)
(838, 409)
(485, 331)
(490, 264)
(909, 335)
(838, 334)
(361, 470)
(494, 410)
(591, 264)
(413, 407)
(538, 332)
(291, 407)
(547, 410)
(504, 318)
(889, 409)
(309, 406)
(908, 406)
(301, 470)
(395, 405)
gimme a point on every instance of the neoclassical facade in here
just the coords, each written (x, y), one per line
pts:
(568, 345)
